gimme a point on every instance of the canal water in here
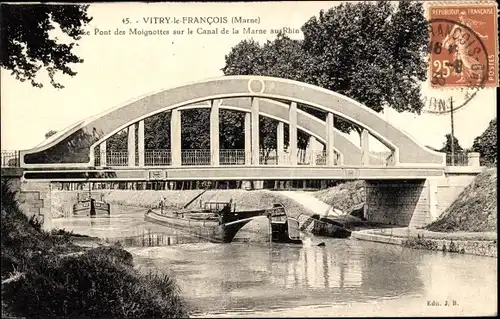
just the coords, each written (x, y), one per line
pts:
(346, 277)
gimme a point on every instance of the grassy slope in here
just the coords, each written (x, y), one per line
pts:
(474, 210)
(42, 277)
(343, 196)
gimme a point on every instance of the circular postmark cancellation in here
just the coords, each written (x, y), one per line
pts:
(463, 54)
(458, 56)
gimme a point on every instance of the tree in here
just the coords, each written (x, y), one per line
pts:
(447, 145)
(25, 43)
(50, 133)
(118, 142)
(371, 52)
(486, 144)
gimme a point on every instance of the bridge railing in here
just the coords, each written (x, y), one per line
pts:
(156, 157)
(196, 157)
(232, 157)
(227, 157)
(10, 158)
(458, 159)
(117, 159)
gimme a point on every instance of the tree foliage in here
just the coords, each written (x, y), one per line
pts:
(372, 52)
(26, 46)
(486, 144)
(447, 145)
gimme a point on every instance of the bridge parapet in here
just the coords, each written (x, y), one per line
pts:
(10, 159)
(228, 157)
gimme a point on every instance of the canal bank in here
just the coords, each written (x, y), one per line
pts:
(467, 226)
(481, 244)
(339, 277)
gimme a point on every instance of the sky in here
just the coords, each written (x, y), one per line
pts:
(119, 68)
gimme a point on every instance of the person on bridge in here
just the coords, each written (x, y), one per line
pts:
(163, 202)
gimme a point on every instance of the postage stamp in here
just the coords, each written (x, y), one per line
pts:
(463, 45)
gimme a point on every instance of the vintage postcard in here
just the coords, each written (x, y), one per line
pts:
(264, 159)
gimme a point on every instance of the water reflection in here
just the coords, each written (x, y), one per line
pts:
(258, 277)
(249, 277)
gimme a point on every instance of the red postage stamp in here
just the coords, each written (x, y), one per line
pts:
(463, 45)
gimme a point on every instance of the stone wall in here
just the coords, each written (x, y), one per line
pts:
(401, 203)
(447, 190)
(34, 198)
(413, 203)
(471, 247)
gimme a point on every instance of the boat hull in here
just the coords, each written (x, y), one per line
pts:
(85, 209)
(215, 231)
(329, 228)
(206, 229)
(281, 234)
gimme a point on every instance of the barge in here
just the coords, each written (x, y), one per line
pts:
(220, 221)
(91, 204)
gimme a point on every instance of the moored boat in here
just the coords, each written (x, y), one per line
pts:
(91, 204)
(324, 226)
(285, 229)
(221, 224)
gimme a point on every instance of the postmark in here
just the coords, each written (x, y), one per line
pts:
(463, 45)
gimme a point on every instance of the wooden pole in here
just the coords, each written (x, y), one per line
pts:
(452, 134)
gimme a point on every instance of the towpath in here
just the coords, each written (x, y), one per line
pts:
(308, 200)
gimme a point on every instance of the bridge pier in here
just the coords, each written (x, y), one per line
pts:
(34, 197)
(403, 203)
(416, 203)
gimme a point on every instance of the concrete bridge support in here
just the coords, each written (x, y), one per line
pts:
(417, 203)
(400, 203)
(34, 197)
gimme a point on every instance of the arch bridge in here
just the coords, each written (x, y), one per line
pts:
(80, 152)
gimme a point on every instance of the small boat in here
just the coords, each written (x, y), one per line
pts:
(285, 229)
(324, 226)
(91, 204)
(220, 221)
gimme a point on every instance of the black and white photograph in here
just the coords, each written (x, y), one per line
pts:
(249, 159)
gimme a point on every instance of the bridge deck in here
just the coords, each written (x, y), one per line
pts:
(236, 173)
